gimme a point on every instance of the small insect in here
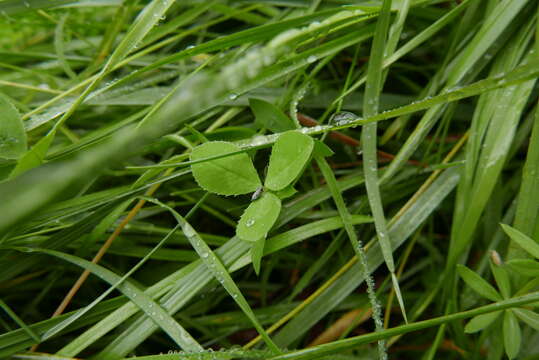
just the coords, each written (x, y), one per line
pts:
(495, 257)
(257, 193)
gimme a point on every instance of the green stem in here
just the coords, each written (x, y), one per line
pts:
(342, 345)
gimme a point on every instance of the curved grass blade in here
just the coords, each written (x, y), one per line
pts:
(401, 229)
(353, 342)
(373, 88)
(137, 296)
(220, 272)
(191, 279)
(356, 245)
(19, 321)
(57, 328)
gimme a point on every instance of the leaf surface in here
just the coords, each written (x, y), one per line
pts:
(478, 284)
(289, 155)
(259, 217)
(12, 135)
(269, 116)
(480, 322)
(229, 175)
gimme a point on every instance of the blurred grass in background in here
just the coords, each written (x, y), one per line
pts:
(102, 100)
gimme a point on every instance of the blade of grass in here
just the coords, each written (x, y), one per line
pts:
(340, 345)
(137, 296)
(373, 88)
(220, 272)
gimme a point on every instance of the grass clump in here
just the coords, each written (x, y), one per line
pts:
(254, 180)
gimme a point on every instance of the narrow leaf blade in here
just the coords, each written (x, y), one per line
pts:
(257, 251)
(522, 240)
(480, 322)
(529, 317)
(478, 284)
(511, 334)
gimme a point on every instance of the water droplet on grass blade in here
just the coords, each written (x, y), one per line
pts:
(343, 118)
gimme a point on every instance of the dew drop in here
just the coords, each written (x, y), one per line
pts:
(233, 96)
(250, 223)
(343, 117)
(311, 59)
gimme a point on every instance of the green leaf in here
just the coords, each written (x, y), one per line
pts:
(373, 87)
(526, 267)
(502, 279)
(477, 283)
(321, 149)
(529, 317)
(286, 192)
(220, 272)
(19, 321)
(12, 134)
(480, 322)
(229, 175)
(289, 155)
(259, 217)
(270, 117)
(524, 241)
(511, 334)
(257, 251)
(35, 156)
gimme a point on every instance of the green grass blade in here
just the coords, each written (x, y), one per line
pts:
(340, 345)
(219, 271)
(19, 321)
(137, 296)
(356, 245)
(373, 88)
